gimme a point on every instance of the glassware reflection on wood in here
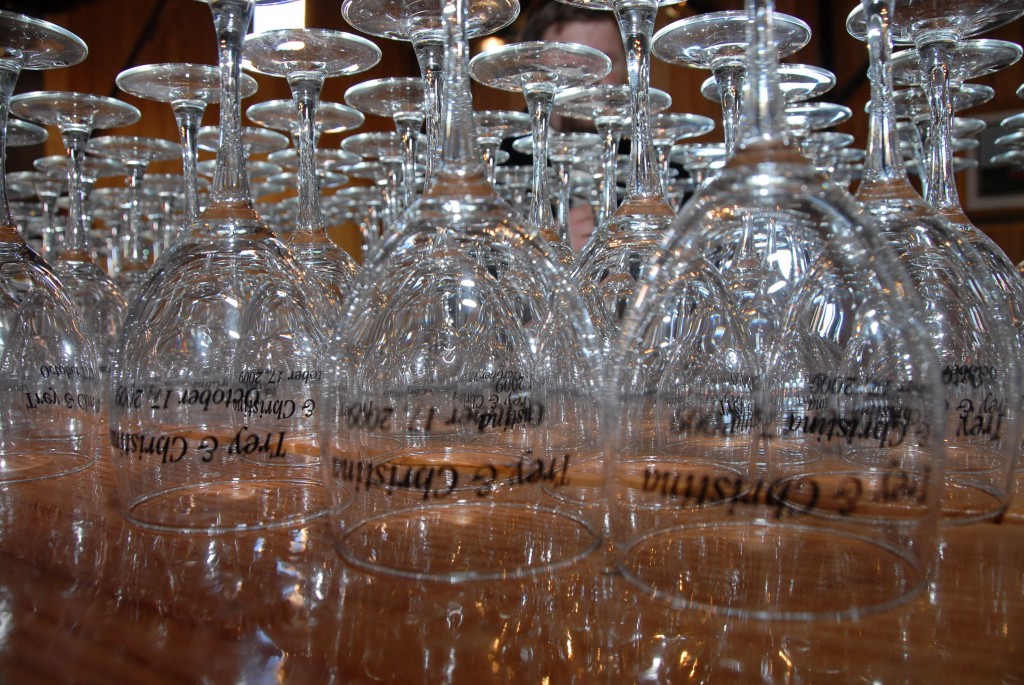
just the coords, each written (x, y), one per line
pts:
(774, 390)
(77, 115)
(213, 413)
(51, 390)
(460, 427)
(971, 325)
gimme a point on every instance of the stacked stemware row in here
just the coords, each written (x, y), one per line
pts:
(742, 393)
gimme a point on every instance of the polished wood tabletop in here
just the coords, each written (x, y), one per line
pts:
(88, 598)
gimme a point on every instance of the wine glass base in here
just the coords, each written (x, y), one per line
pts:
(771, 571)
(229, 506)
(467, 541)
(19, 466)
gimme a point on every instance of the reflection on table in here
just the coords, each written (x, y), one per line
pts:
(86, 598)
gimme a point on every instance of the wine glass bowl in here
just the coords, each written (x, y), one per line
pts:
(136, 153)
(750, 311)
(213, 415)
(50, 384)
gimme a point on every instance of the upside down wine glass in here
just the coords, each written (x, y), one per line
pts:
(421, 24)
(718, 41)
(93, 169)
(608, 105)
(48, 189)
(970, 323)
(401, 100)
(213, 413)
(136, 153)
(188, 88)
(50, 388)
(307, 57)
(459, 425)
(495, 125)
(538, 69)
(967, 60)
(774, 434)
(935, 29)
(77, 115)
(607, 269)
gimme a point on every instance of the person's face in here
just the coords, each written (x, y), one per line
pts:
(602, 35)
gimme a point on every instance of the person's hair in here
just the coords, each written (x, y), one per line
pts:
(547, 13)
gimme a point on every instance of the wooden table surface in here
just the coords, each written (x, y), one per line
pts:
(87, 598)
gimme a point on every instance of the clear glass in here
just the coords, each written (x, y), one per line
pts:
(48, 190)
(188, 88)
(136, 153)
(668, 128)
(968, 60)
(388, 150)
(77, 115)
(799, 82)
(213, 411)
(460, 432)
(307, 57)
(971, 324)
(776, 398)
(255, 141)
(538, 70)
(401, 100)
(701, 160)
(165, 191)
(564, 151)
(93, 169)
(611, 262)
(420, 22)
(718, 41)
(51, 393)
(21, 133)
(935, 29)
(608, 106)
(495, 126)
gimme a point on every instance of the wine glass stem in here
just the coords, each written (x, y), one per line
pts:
(167, 228)
(76, 245)
(729, 80)
(884, 162)
(306, 88)
(48, 208)
(664, 166)
(9, 71)
(764, 110)
(133, 249)
(562, 168)
(636, 22)
(922, 125)
(489, 153)
(188, 114)
(231, 19)
(394, 188)
(459, 151)
(539, 101)
(936, 59)
(407, 125)
(611, 134)
(430, 55)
